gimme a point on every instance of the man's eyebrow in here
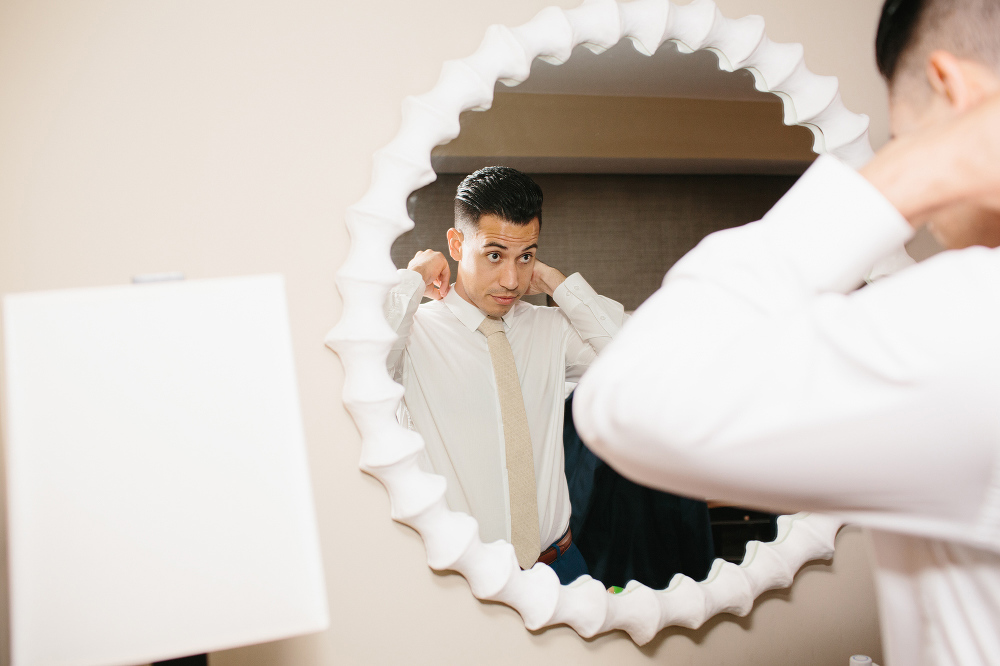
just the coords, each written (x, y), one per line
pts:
(533, 246)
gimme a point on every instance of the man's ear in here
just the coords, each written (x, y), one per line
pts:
(963, 83)
(455, 240)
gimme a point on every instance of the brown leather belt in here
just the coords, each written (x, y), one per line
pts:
(549, 555)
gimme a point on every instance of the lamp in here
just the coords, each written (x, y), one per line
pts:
(158, 490)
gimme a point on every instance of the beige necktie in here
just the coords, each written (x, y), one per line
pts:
(517, 440)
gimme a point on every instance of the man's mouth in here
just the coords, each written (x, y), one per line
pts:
(504, 299)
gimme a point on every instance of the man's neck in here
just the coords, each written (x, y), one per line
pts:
(460, 290)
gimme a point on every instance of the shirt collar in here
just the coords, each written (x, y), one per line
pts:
(469, 314)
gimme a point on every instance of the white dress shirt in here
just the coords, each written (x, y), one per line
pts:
(444, 364)
(756, 375)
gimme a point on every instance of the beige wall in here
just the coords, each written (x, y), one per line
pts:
(226, 138)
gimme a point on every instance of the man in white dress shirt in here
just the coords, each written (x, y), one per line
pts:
(444, 362)
(759, 375)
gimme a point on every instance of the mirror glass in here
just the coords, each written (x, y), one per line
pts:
(639, 158)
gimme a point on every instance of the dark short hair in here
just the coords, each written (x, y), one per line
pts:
(895, 34)
(909, 30)
(501, 191)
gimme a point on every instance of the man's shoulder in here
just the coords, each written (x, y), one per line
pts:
(435, 315)
(431, 309)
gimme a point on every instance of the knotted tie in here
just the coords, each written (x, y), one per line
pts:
(517, 443)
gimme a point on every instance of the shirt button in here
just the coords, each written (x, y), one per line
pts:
(603, 318)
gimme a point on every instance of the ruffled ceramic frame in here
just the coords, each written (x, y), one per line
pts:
(362, 338)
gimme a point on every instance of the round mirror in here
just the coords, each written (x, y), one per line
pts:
(691, 150)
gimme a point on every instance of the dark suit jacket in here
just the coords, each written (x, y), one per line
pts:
(626, 531)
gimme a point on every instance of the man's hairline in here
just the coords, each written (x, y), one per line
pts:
(910, 85)
(461, 222)
(912, 60)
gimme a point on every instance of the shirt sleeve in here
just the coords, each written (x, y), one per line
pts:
(757, 375)
(400, 305)
(594, 321)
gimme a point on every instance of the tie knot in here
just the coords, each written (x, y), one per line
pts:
(491, 326)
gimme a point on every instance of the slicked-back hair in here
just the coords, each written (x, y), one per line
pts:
(500, 191)
(910, 29)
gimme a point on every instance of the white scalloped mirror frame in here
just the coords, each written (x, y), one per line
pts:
(362, 338)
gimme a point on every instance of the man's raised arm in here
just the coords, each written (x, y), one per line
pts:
(595, 318)
(427, 274)
(753, 375)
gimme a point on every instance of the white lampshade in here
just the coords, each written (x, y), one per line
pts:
(158, 489)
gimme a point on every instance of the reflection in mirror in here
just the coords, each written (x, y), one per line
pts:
(638, 158)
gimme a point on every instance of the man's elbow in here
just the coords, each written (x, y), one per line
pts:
(623, 416)
(598, 416)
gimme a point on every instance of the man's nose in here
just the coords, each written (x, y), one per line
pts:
(508, 276)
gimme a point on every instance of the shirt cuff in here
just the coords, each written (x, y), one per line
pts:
(573, 290)
(410, 282)
(834, 225)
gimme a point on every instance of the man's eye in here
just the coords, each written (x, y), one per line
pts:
(493, 256)
(525, 258)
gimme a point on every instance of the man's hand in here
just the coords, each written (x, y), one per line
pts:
(434, 269)
(544, 279)
(948, 163)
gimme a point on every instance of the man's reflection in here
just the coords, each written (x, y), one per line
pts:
(498, 441)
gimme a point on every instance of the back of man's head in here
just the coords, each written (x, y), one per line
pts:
(499, 191)
(910, 30)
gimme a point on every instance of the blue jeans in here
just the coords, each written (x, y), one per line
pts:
(569, 565)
